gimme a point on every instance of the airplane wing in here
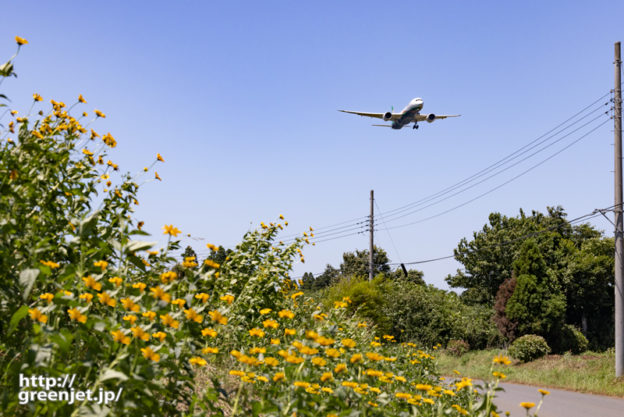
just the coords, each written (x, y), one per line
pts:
(395, 116)
(423, 117)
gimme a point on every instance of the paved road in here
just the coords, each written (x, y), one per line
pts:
(559, 403)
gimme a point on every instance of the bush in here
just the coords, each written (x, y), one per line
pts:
(573, 340)
(457, 347)
(529, 347)
(367, 298)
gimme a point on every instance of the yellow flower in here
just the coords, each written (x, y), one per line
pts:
(218, 317)
(350, 343)
(271, 361)
(169, 321)
(167, 277)
(106, 299)
(202, 296)
(75, 314)
(290, 332)
(119, 336)
(191, 314)
(157, 176)
(99, 114)
(527, 405)
(297, 294)
(227, 298)
(86, 296)
(211, 264)
(356, 358)
(178, 302)
(465, 382)
(212, 247)
(109, 140)
(499, 375)
(131, 318)
(256, 332)
(159, 158)
(47, 296)
(128, 304)
(159, 335)
(159, 293)
(209, 332)
(301, 384)
(35, 314)
(20, 41)
(37, 97)
(92, 283)
(275, 341)
(270, 323)
(265, 311)
(148, 353)
(207, 350)
(318, 361)
(170, 230)
(116, 281)
(196, 360)
(286, 313)
(139, 333)
(81, 99)
(141, 286)
(501, 359)
(340, 367)
(50, 264)
(101, 264)
(279, 376)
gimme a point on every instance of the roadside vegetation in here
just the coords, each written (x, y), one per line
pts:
(589, 372)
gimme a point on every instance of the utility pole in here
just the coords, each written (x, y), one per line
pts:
(370, 243)
(619, 229)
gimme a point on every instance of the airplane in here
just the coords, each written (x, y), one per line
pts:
(411, 113)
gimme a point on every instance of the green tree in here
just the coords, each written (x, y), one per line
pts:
(356, 263)
(538, 303)
(589, 287)
(413, 275)
(488, 258)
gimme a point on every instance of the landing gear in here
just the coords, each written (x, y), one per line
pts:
(415, 126)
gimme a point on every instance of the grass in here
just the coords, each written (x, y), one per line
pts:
(589, 372)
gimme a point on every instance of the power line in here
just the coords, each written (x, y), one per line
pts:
(491, 190)
(396, 215)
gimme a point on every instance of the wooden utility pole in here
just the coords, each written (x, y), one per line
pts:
(370, 243)
(619, 229)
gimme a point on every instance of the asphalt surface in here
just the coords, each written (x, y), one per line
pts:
(559, 403)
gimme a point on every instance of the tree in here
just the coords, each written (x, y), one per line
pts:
(356, 264)
(413, 275)
(537, 304)
(488, 258)
(589, 286)
(505, 326)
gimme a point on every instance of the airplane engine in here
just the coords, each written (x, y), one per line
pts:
(431, 117)
(387, 116)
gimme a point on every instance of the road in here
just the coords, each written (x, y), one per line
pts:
(559, 403)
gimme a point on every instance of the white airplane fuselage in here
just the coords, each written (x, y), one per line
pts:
(409, 113)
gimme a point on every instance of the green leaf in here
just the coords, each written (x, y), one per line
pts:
(17, 317)
(88, 223)
(113, 374)
(138, 245)
(27, 279)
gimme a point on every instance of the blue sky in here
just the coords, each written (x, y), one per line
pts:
(240, 98)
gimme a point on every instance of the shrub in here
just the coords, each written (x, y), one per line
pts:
(573, 340)
(529, 347)
(457, 347)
